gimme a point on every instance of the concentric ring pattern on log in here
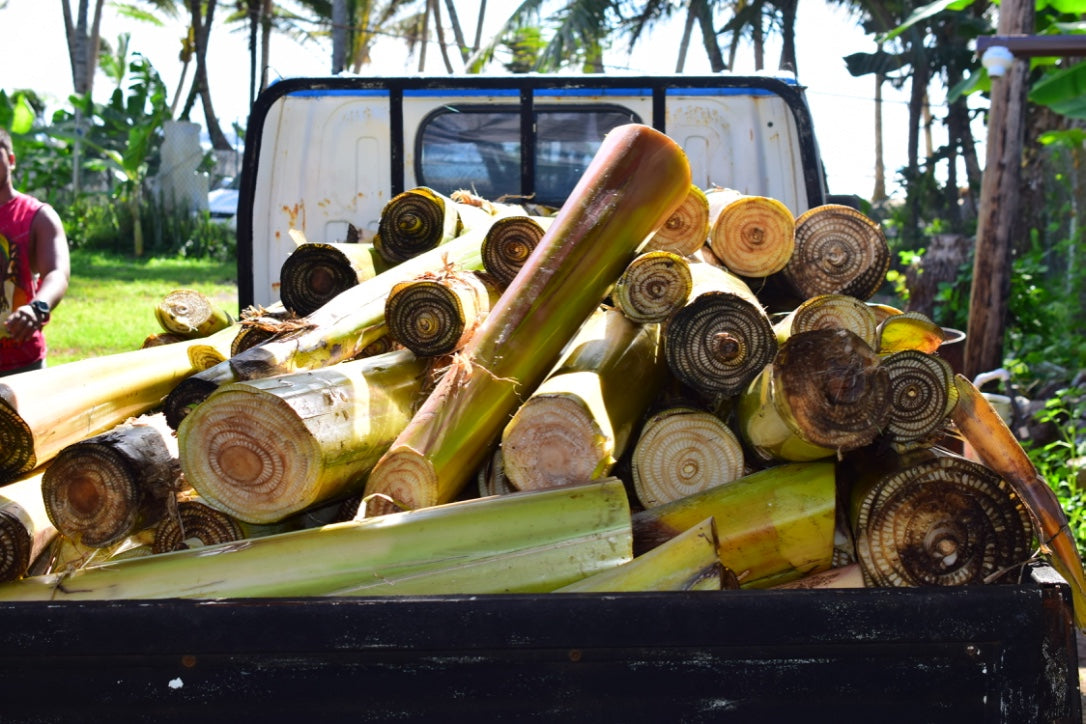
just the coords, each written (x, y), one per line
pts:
(312, 275)
(838, 250)
(718, 343)
(508, 244)
(922, 393)
(944, 521)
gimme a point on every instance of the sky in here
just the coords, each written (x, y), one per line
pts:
(842, 107)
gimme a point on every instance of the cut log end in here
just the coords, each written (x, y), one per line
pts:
(682, 452)
(838, 250)
(686, 230)
(835, 390)
(945, 521)
(195, 524)
(719, 342)
(553, 441)
(508, 244)
(17, 454)
(754, 236)
(15, 546)
(256, 467)
(433, 317)
(185, 397)
(312, 275)
(922, 395)
(411, 223)
(402, 480)
(653, 286)
(90, 497)
(190, 313)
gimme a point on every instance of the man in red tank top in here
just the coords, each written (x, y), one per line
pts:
(33, 269)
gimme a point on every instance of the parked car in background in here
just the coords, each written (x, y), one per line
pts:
(222, 201)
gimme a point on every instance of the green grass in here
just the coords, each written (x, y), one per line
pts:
(111, 298)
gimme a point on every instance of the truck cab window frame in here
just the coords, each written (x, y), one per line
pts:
(478, 147)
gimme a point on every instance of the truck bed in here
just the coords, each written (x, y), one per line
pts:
(997, 653)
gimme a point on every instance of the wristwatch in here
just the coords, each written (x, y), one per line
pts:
(41, 309)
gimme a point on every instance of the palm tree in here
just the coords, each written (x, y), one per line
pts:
(753, 18)
(579, 31)
(928, 45)
(84, 38)
(168, 9)
(201, 18)
(339, 35)
(114, 60)
(698, 12)
(256, 14)
(201, 14)
(357, 26)
(82, 29)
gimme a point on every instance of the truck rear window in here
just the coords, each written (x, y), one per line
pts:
(479, 148)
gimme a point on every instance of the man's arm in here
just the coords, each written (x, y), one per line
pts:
(50, 260)
(50, 256)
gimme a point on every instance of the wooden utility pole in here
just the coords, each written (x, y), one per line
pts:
(998, 202)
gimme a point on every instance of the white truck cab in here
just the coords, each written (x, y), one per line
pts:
(324, 154)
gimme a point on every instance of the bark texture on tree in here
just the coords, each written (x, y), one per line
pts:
(998, 202)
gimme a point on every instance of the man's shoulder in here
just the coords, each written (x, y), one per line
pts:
(22, 204)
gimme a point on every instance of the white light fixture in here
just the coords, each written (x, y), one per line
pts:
(997, 59)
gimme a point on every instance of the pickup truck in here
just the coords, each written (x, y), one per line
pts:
(324, 154)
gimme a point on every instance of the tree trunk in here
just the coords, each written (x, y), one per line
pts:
(202, 28)
(265, 42)
(878, 194)
(458, 33)
(339, 35)
(186, 61)
(254, 23)
(788, 35)
(684, 44)
(925, 113)
(424, 36)
(708, 36)
(479, 27)
(757, 38)
(920, 78)
(998, 202)
(83, 42)
(83, 55)
(439, 33)
(961, 144)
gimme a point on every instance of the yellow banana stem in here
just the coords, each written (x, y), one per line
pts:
(637, 178)
(774, 525)
(25, 528)
(753, 236)
(997, 447)
(909, 330)
(44, 411)
(191, 314)
(579, 420)
(686, 230)
(686, 562)
(262, 450)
